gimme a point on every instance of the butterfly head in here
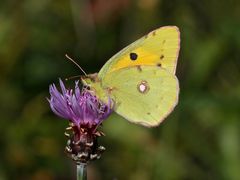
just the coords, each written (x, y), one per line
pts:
(94, 85)
(90, 79)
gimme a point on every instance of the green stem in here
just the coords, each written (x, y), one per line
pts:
(82, 171)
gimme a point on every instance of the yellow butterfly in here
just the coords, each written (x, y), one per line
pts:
(140, 79)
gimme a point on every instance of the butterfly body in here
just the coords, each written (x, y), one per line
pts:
(140, 79)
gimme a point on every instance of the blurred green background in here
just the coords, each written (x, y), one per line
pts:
(199, 140)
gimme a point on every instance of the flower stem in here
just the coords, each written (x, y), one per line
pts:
(82, 171)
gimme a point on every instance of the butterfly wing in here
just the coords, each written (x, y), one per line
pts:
(159, 47)
(142, 94)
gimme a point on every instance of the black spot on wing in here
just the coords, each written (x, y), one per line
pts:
(133, 56)
(161, 57)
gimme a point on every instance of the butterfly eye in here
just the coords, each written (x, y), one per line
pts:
(133, 56)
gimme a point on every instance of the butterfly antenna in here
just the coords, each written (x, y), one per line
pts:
(72, 77)
(76, 64)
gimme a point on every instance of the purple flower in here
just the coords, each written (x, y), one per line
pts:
(81, 108)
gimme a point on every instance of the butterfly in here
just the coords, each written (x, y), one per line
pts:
(140, 79)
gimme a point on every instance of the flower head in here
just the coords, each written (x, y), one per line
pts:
(80, 107)
(85, 112)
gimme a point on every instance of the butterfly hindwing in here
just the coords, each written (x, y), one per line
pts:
(142, 94)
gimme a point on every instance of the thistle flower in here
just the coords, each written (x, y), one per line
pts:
(80, 107)
(85, 113)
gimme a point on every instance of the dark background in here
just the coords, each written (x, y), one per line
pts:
(199, 140)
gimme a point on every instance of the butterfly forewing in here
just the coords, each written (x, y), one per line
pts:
(158, 48)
